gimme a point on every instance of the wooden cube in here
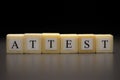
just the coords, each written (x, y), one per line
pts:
(69, 43)
(14, 43)
(86, 43)
(32, 43)
(104, 43)
(50, 43)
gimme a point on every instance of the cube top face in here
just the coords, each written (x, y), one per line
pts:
(104, 35)
(86, 35)
(15, 43)
(32, 43)
(33, 34)
(15, 35)
(50, 43)
(50, 34)
(69, 43)
(104, 43)
(86, 43)
(68, 35)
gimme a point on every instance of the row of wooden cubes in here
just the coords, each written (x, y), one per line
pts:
(59, 43)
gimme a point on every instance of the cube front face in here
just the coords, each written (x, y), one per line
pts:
(69, 43)
(51, 43)
(32, 43)
(104, 43)
(15, 43)
(86, 43)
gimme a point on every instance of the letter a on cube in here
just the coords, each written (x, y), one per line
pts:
(15, 43)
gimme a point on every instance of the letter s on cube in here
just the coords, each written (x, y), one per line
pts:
(86, 43)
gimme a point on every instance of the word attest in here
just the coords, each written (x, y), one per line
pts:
(59, 43)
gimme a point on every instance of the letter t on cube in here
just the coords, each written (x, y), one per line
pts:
(32, 43)
(50, 43)
(104, 43)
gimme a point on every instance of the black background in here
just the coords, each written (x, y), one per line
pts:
(59, 16)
